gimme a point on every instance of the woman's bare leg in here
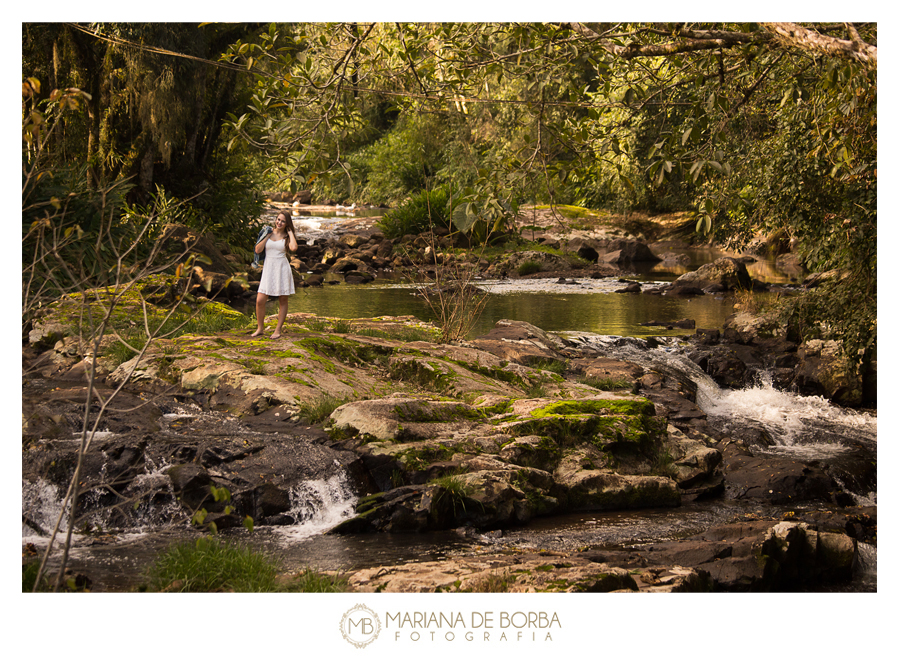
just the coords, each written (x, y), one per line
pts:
(260, 314)
(282, 314)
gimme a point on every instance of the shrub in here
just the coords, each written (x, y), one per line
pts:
(529, 267)
(420, 213)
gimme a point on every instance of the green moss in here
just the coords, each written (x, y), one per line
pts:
(429, 374)
(640, 406)
(369, 503)
(427, 413)
(550, 365)
(495, 373)
(421, 457)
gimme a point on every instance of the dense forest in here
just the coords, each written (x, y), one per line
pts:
(757, 128)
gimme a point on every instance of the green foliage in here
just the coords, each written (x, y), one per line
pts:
(403, 161)
(528, 267)
(454, 489)
(319, 409)
(758, 133)
(405, 334)
(29, 576)
(422, 212)
(210, 565)
(210, 318)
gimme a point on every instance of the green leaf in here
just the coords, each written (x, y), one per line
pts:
(248, 523)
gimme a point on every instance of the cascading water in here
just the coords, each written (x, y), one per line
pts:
(805, 427)
(794, 421)
(319, 505)
(41, 506)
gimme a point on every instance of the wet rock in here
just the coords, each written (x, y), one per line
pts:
(510, 264)
(191, 484)
(411, 508)
(761, 555)
(775, 479)
(724, 364)
(693, 462)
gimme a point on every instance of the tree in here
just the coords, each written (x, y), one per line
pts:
(639, 113)
(155, 98)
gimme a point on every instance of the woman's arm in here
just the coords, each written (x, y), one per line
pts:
(261, 245)
(292, 241)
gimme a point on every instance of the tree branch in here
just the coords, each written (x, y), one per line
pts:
(796, 36)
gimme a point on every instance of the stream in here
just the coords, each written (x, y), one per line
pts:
(589, 313)
(806, 426)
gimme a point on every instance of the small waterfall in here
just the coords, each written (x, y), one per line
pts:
(803, 425)
(319, 505)
(41, 505)
(798, 423)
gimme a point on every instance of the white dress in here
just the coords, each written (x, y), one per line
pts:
(277, 278)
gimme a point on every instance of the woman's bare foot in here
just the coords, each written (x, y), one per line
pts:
(256, 333)
(275, 336)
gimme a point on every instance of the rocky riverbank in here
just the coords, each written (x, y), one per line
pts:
(478, 436)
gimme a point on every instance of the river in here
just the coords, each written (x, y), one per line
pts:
(590, 310)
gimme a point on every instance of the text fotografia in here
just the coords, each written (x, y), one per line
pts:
(478, 626)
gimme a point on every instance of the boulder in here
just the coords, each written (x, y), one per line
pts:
(761, 556)
(693, 462)
(772, 479)
(520, 342)
(726, 273)
(582, 484)
(824, 369)
(626, 251)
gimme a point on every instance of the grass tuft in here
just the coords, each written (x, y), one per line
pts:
(320, 409)
(210, 565)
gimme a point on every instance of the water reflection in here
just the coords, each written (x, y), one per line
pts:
(562, 310)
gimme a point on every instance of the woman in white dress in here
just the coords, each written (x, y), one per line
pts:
(277, 278)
